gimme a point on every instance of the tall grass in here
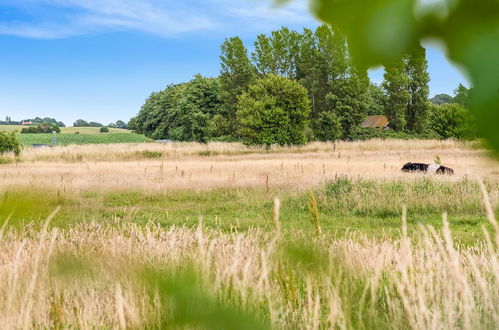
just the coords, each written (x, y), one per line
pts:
(123, 275)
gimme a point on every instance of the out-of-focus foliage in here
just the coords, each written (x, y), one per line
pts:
(274, 110)
(9, 143)
(192, 307)
(382, 31)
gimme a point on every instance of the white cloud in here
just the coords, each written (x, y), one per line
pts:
(63, 18)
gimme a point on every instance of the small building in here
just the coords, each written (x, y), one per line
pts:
(26, 123)
(376, 122)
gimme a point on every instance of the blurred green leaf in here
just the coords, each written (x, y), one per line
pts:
(185, 303)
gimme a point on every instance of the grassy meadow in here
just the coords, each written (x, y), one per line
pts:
(185, 235)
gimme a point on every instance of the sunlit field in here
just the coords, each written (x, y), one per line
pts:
(185, 235)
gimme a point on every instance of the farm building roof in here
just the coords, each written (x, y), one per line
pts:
(375, 121)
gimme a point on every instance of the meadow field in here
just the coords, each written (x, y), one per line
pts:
(220, 235)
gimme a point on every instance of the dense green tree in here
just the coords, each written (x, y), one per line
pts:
(80, 123)
(312, 72)
(274, 110)
(327, 127)
(236, 74)
(349, 100)
(396, 85)
(452, 121)
(121, 124)
(462, 95)
(442, 99)
(180, 112)
(323, 60)
(278, 54)
(376, 99)
(417, 72)
(9, 143)
(263, 56)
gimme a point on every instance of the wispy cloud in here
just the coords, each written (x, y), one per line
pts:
(63, 18)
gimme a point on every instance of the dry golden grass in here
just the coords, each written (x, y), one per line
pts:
(88, 277)
(198, 166)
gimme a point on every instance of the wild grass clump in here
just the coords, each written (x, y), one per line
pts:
(423, 196)
(148, 154)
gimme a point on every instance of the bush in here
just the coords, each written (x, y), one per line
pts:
(9, 143)
(274, 110)
(29, 130)
(452, 121)
(104, 129)
(367, 133)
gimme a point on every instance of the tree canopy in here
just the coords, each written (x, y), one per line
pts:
(274, 110)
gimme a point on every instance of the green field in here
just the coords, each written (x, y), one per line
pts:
(68, 130)
(66, 139)
(343, 206)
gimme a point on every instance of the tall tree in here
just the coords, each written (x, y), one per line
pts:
(278, 54)
(236, 74)
(462, 95)
(263, 56)
(312, 72)
(417, 72)
(350, 99)
(396, 85)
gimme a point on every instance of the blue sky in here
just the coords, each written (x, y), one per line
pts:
(99, 59)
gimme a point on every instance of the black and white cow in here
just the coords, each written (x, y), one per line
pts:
(427, 168)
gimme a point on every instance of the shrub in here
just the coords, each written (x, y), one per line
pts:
(104, 129)
(9, 143)
(366, 133)
(274, 110)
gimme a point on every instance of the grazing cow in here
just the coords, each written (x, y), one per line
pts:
(415, 167)
(427, 168)
(445, 170)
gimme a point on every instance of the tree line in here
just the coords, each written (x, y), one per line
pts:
(296, 87)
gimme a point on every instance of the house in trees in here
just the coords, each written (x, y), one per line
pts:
(381, 122)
